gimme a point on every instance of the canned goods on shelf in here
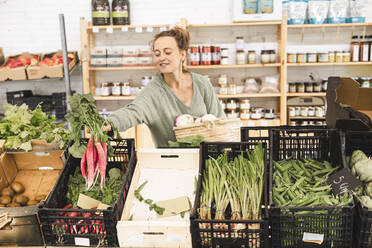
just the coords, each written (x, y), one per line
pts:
(311, 58)
(301, 58)
(309, 87)
(317, 87)
(300, 87)
(292, 87)
(240, 57)
(252, 57)
(291, 58)
(322, 57)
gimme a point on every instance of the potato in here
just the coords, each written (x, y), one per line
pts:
(32, 203)
(21, 199)
(5, 199)
(17, 187)
(7, 191)
(40, 197)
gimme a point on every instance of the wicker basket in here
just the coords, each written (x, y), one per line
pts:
(227, 130)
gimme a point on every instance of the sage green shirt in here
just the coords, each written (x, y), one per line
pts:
(157, 106)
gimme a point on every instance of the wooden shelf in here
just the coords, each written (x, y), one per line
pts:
(261, 122)
(114, 98)
(308, 94)
(306, 117)
(340, 25)
(257, 95)
(238, 24)
(128, 68)
(232, 66)
(329, 64)
(90, 26)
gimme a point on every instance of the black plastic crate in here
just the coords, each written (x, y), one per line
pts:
(31, 100)
(351, 141)
(230, 237)
(289, 223)
(98, 228)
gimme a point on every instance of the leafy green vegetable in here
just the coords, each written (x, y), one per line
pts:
(84, 114)
(21, 125)
(108, 194)
(189, 141)
(152, 205)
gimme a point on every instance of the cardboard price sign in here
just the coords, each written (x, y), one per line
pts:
(343, 181)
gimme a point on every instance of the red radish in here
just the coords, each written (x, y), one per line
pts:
(82, 165)
(104, 162)
(101, 158)
(90, 162)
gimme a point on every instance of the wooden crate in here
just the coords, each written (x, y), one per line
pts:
(170, 174)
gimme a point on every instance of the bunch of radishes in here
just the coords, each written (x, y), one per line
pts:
(185, 120)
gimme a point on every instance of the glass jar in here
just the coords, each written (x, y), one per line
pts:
(116, 89)
(292, 123)
(317, 87)
(216, 55)
(225, 51)
(304, 111)
(364, 82)
(239, 43)
(319, 112)
(244, 114)
(298, 111)
(255, 114)
(310, 111)
(105, 90)
(292, 111)
(231, 105)
(300, 87)
(346, 56)
(324, 84)
(319, 123)
(339, 56)
(331, 56)
(309, 87)
(355, 45)
(206, 55)
(222, 80)
(269, 113)
(224, 60)
(125, 89)
(323, 57)
(231, 90)
(240, 57)
(265, 57)
(223, 90)
(252, 57)
(301, 57)
(292, 87)
(311, 57)
(245, 104)
(272, 56)
(232, 114)
(291, 58)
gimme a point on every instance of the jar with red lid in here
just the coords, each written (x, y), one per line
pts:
(206, 55)
(216, 55)
(194, 55)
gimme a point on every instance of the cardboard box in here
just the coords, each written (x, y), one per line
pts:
(98, 52)
(171, 176)
(98, 62)
(38, 172)
(54, 71)
(347, 91)
(18, 73)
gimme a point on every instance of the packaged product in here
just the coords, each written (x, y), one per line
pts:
(357, 11)
(251, 86)
(270, 84)
(297, 11)
(317, 11)
(337, 11)
(250, 6)
(265, 6)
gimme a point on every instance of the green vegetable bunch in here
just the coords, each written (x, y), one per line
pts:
(21, 125)
(189, 141)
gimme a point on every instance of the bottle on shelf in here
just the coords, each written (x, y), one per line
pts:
(354, 49)
(120, 12)
(364, 49)
(100, 12)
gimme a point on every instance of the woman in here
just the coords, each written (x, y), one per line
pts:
(172, 92)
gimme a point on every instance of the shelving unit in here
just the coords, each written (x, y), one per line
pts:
(88, 33)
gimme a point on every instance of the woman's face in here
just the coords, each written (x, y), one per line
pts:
(167, 57)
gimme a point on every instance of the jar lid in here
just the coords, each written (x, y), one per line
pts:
(240, 51)
(224, 48)
(251, 51)
(240, 37)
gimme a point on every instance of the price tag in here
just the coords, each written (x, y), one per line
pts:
(149, 29)
(313, 238)
(138, 29)
(109, 30)
(95, 29)
(124, 29)
(161, 29)
(343, 181)
(82, 241)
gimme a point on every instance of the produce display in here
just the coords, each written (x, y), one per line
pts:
(21, 61)
(361, 167)
(21, 125)
(54, 59)
(189, 141)
(237, 184)
(185, 120)
(303, 183)
(11, 196)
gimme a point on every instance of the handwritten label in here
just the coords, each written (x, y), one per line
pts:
(124, 29)
(343, 181)
(95, 29)
(149, 29)
(109, 30)
(313, 237)
(82, 241)
(138, 29)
